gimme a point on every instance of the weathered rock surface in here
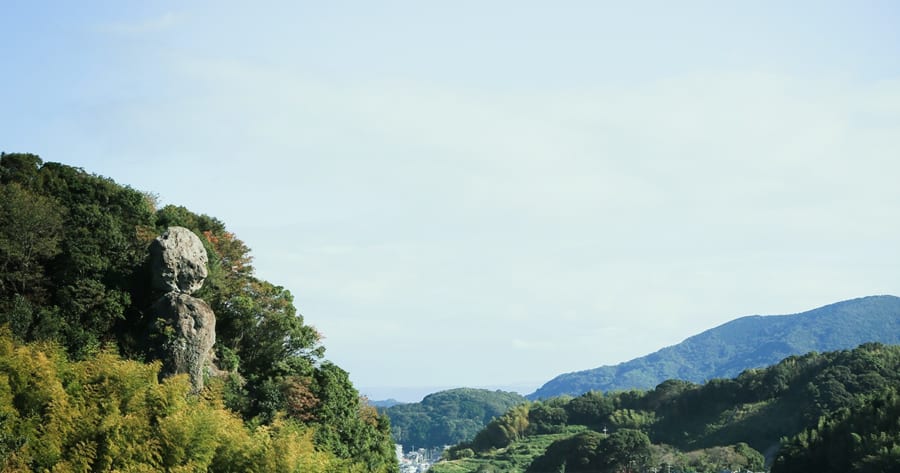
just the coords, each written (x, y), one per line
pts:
(190, 326)
(187, 324)
(178, 261)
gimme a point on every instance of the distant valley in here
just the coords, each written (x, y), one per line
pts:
(721, 352)
(829, 412)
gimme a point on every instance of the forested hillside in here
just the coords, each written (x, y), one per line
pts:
(78, 376)
(448, 417)
(837, 408)
(864, 437)
(747, 342)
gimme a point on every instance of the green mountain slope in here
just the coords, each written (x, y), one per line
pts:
(747, 342)
(835, 408)
(448, 417)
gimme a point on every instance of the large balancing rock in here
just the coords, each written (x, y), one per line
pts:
(178, 261)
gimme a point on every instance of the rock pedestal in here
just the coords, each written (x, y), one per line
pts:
(178, 263)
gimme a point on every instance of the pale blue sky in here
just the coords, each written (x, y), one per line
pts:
(492, 193)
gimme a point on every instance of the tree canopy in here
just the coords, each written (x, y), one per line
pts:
(74, 273)
(448, 417)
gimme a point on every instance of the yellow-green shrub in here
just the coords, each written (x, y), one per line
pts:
(106, 414)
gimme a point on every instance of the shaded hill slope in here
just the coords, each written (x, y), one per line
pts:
(747, 342)
(448, 417)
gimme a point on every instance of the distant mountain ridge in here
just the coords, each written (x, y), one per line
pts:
(385, 403)
(747, 342)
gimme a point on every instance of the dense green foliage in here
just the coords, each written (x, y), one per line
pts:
(861, 438)
(579, 449)
(744, 343)
(71, 252)
(515, 458)
(106, 414)
(837, 408)
(74, 272)
(593, 452)
(448, 417)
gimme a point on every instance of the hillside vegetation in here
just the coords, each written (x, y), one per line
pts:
(747, 342)
(448, 417)
(75, 296)
(837, 407)
(108, 414)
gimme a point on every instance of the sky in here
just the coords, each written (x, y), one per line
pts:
(492, 193)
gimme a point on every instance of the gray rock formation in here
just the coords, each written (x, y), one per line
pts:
(190, 326)
(178, 265)
(178, 261)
